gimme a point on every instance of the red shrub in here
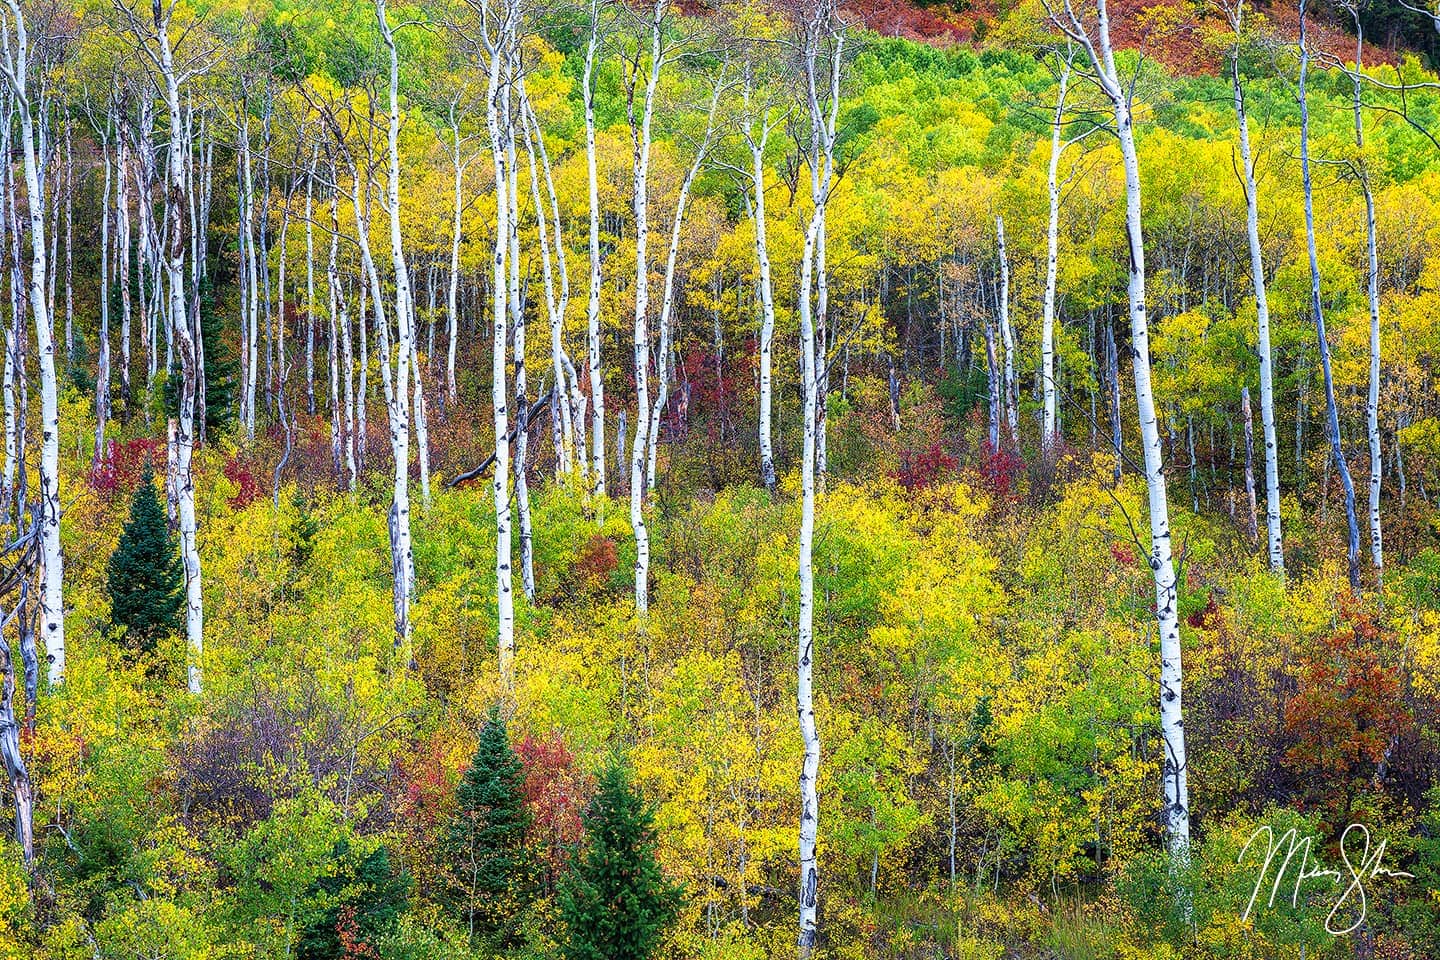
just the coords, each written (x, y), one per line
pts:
(239, 473)
(597, 561)
(1346, 716)
(554, 792)
(919, 469)
(124, 461)
(999, 469)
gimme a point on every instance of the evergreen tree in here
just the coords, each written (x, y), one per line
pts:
(367, 897)
(145, 577)
(220, 368)
(491, 871)
(614, 900)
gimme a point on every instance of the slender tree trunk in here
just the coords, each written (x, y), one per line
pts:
(403, 559)
(1251, 521)
(1052, 258)
(1332, 413)
(640, 136)
(452, 296)
(1007, 338)
(52, 599)
(592, 310)
(1274, 543)
(504, 595)
(1372, 291)
(310, 286)
(1174, 769)
(767, 300)
(102, 366)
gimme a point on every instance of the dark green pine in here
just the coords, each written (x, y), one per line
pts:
(144, 576)
(491, 870)
(614, 899)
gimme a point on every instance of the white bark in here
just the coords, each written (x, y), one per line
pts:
(1052, 257)
(1251, 520)
(102, 365)
(1274, 542)
(667, 299)
(310, 286)
(452, 294)
(1172, 727)
(756, 141)
(568, 395)
(641, 140)
(52, 599)
(592, 309)
(1007, 339)
(1372, 291)
(1332, 415)
(497, 51)
(398, 405)
(805, 632)
(250, 307)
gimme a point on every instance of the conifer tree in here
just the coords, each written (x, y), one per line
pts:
(491, 870)
(614, 900)
(219, 363)
(145, 578)
(367, 897)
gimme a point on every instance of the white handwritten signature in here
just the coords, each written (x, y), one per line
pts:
(1291, 843)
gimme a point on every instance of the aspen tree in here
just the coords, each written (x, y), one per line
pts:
(667, 298)
(153, 42)
(16, 66)
(1172, 726)
(1332, 417)
(592, 309)
(1274, 543)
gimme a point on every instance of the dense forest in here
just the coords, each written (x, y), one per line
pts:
(770, 478)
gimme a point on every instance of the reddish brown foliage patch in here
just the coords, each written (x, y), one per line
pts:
(123, 463)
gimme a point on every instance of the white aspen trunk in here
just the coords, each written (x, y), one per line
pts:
(102, 348)
(122, 270)
(592, 310)
(517, 325)
(422, 432)
(667, 300)
(1174, 769)
(640, 136)
(310, 286)
(339, 441)
(499, 393)
(562, 436)
(250, 339)
(1332, 415)
(69, 243)
(452, 295)
(571, 399)
(401, 554)
(1372, 291)
(52, 598)
(805, 632)
(993, 382)
(350, 438)
(10, 753)
(767, 301)
(362, 394)
(181, 334)
(1251, 520)
(1007, 339)
(1274, 542)
(1052, 258)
